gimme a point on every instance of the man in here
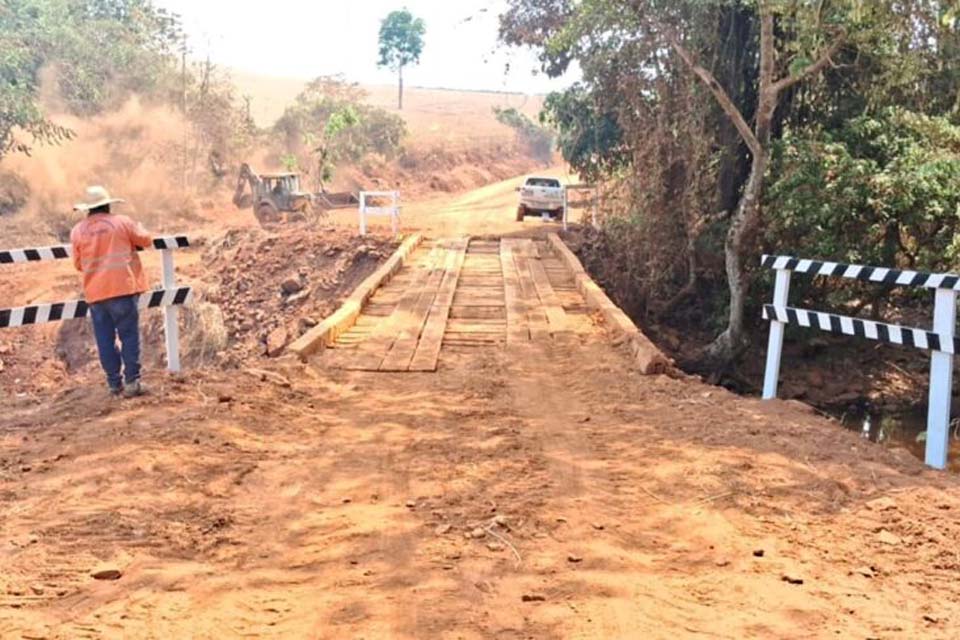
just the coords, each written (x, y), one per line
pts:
(105, 251)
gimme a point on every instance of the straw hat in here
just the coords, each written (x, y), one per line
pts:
(96, 196)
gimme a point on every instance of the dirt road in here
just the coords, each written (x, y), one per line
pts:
(538, 490)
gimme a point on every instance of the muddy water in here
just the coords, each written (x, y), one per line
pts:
(900, 429)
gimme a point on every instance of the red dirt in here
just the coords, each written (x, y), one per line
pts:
(314, 503)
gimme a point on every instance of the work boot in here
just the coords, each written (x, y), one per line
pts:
(134, 390)
(116, 392)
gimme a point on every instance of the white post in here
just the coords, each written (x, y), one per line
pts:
(171, 331)
(941, 381)
(565, 207)
(395, 213)
(781, 291)
(363, 213)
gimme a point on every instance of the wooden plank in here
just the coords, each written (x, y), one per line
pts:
(325, 333)
(405, 345)
(371, 353)
(517, 326)
(552, 306)
(479, 312)
(536, 317)
(428, 350)
(648, 357)
(477, 328)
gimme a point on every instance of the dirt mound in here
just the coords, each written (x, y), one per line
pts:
(273, 287)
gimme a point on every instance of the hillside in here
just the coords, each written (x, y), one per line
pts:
(454, 118)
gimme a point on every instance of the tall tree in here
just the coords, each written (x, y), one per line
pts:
(401, 43)
(778, 46)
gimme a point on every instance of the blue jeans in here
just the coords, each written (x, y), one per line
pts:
(113, 318)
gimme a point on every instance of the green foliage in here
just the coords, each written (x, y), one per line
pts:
(590, 139)
(537, 140)
(401, 40)
(330, 125)
(865, 163)
(881, 189)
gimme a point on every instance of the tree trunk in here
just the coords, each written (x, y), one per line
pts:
(744, 224)
(400, 95)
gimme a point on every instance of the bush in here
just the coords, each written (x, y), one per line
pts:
(881, 190)
(537, 140)
(329, 124)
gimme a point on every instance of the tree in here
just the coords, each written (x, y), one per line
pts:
(764, 71)
(401, 43)
(329, 123)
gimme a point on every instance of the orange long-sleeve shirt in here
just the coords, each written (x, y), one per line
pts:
(105, 251)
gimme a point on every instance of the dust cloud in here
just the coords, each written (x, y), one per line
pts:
(138, 152)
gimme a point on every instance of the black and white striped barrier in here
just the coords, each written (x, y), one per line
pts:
(169, 298)
(64, 251)
(876, 275)
(76, 309)
(941, 341)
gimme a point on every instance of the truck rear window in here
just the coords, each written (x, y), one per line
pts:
(543, 182)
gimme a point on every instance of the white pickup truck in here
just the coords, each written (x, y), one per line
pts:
(539, 196)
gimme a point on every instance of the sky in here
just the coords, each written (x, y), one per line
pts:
(302, 39)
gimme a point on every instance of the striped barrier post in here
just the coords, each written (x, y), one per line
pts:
(169, 297)
(941, 341)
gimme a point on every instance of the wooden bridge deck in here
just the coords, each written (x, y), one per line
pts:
(457, 294)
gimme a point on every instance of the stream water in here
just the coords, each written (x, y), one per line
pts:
(900, 429)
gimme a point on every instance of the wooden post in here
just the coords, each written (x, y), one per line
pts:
(171, 331)
(941, 381)
(781, 293)
(596, 206)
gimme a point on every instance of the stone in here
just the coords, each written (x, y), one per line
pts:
(888, 538)
(411, 504)
(298, 297)
(443, 529)
(533, 597)
(758, 553)
(37, 589)
(277, 342)
(291, 284)
(575, 559)
(791, 578)
(106, 572)
(478, 533)
(494, 546)
(224, 398)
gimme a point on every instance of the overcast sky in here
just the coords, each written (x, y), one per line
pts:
(303, 39)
